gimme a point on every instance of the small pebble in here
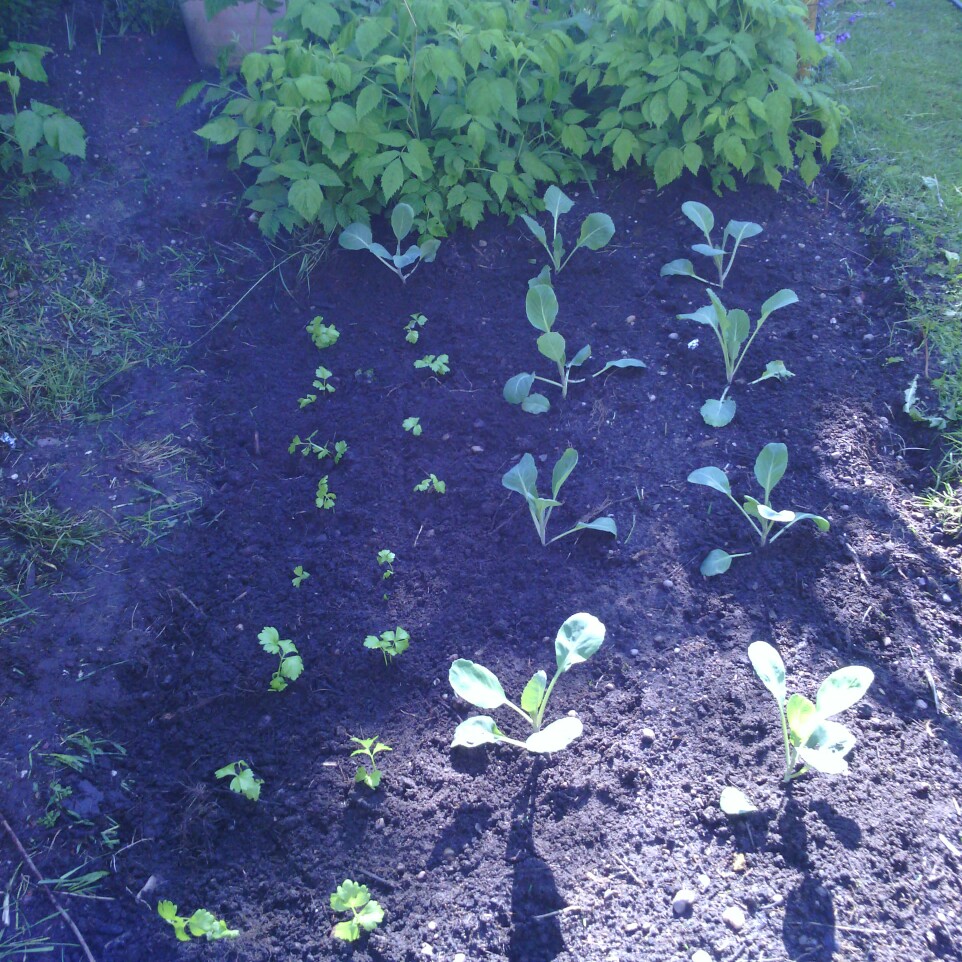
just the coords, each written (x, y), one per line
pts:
(703, 882)
(634, 652)
(734, 918)
(432, 925)
(683, 901)
(946, 599)
(631, 928)
(647, 735)
(427, 949)
(673, 336)
(477, 449)
(449, 853)
(921, 704)
(459, 957)
(668, 583)
(700, 955)
(868, 338)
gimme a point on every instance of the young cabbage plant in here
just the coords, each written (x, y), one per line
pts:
(366, 914)
(770, 467)
(735, 232)
(811, 738)
(201, 925)
(735, 335)
(357, 237)
(577, 640)
(596, 229)
(369, 748)
(243, 781)
(523, 478)
(386, 557)
(300, 574)
(291, 665)
(541, 308)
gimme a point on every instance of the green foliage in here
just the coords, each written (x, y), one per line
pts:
(811, 738)
(202, 924)
(22, 18)
(733, 330)
(431, 483)
(770, 468)
(309, 446)
(369, 748)
(577, 640)
(722, 257)
(464, 107)
(523, 478)
(320, 384)
(596, 229)
(290, 667)
(541, 307)
(413, 425)
(358, 237)
(324, 497)
(34, 139)
(300, 574)
(390, 643)
(411, 332)
(323, 335)
(437, 365)
(243, 781)
(385, 559)
(367, 914)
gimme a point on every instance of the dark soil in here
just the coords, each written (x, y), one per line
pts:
(485, 854)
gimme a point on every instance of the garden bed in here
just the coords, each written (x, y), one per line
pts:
(484, 854)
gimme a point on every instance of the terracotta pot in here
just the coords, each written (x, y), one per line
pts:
(244, 27)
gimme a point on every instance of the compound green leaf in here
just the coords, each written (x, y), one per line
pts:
(306, 197)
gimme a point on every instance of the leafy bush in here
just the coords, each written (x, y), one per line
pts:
(34, 139)
(462, 107)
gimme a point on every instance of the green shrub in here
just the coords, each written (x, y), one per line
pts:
(465, 107)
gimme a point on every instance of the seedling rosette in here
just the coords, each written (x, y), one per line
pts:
(201, 925)
(358, 237)
(577, 640)
(367, 914)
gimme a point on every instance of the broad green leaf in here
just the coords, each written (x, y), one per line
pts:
(379, 250)
(306, 197)
(341, 117)
(770, 466)
(842, 689)
(735, 802)
(476, 684)
(577, 640)
(535, 228)
(707, 250)
(716, 562)
(402, 219)
(523, 478)
(581, 357)
(556, 202)
(605, 525)
(821, 523)
(712, 478)
(668, 166)
(541, 306)
(704, 315)
(475, 731)
(349, 895)
(535, 404)
(313, 88)
(429, 249)
(367, 100)
(777, 301)
(700, 215)
(348, 931)
(356, 237)
(770, 514)
(596, 230)
(682, 266)
(370, 917)
(741, 230)
(621, 362)
(393, 178)
(27, 130)
(292, 667)
(412, 254)
(556, 736)
(769, 667)
(518, 388)
(221, 130)
(717, 413)
(562, 469)
(552, 346)
(774, 369)
(166, 910)
(826, 747)
(533, 693)
(801, 716)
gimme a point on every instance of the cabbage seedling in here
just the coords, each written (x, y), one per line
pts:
(300, 574)
(366, 913)
(323, 335)
(357, 237)
(541, 308)
(431, 483)
(438, 365)
(369, 748)
(324, 497)
(596, 229)
(413, 425)
(577, 640)
(385, 557)
(390, 643)
(735, 336)
(811, 738)
(411, 332)
(243, 781)
(736, 231)
(523, 478)
(202, 924)
(290, 667)
(770, 466)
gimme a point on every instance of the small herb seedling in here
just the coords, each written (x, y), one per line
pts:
(413, 425)
(309, 446)
(523, 478)
(323, 335)
(390, 643)
(385, 557)
(411, 332)
(735, 336)
(321, 377)
(811, 738)
(243, 781)
(770, 467)
(438, 365)
(735, 232)
(367, 914)
(431, 483)
(324, 497)
(202, 924)
(369, 748)
(300, 574)
(541, 307)
(577, 640)
(290, 667)
(596, 229)
(358, 237)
